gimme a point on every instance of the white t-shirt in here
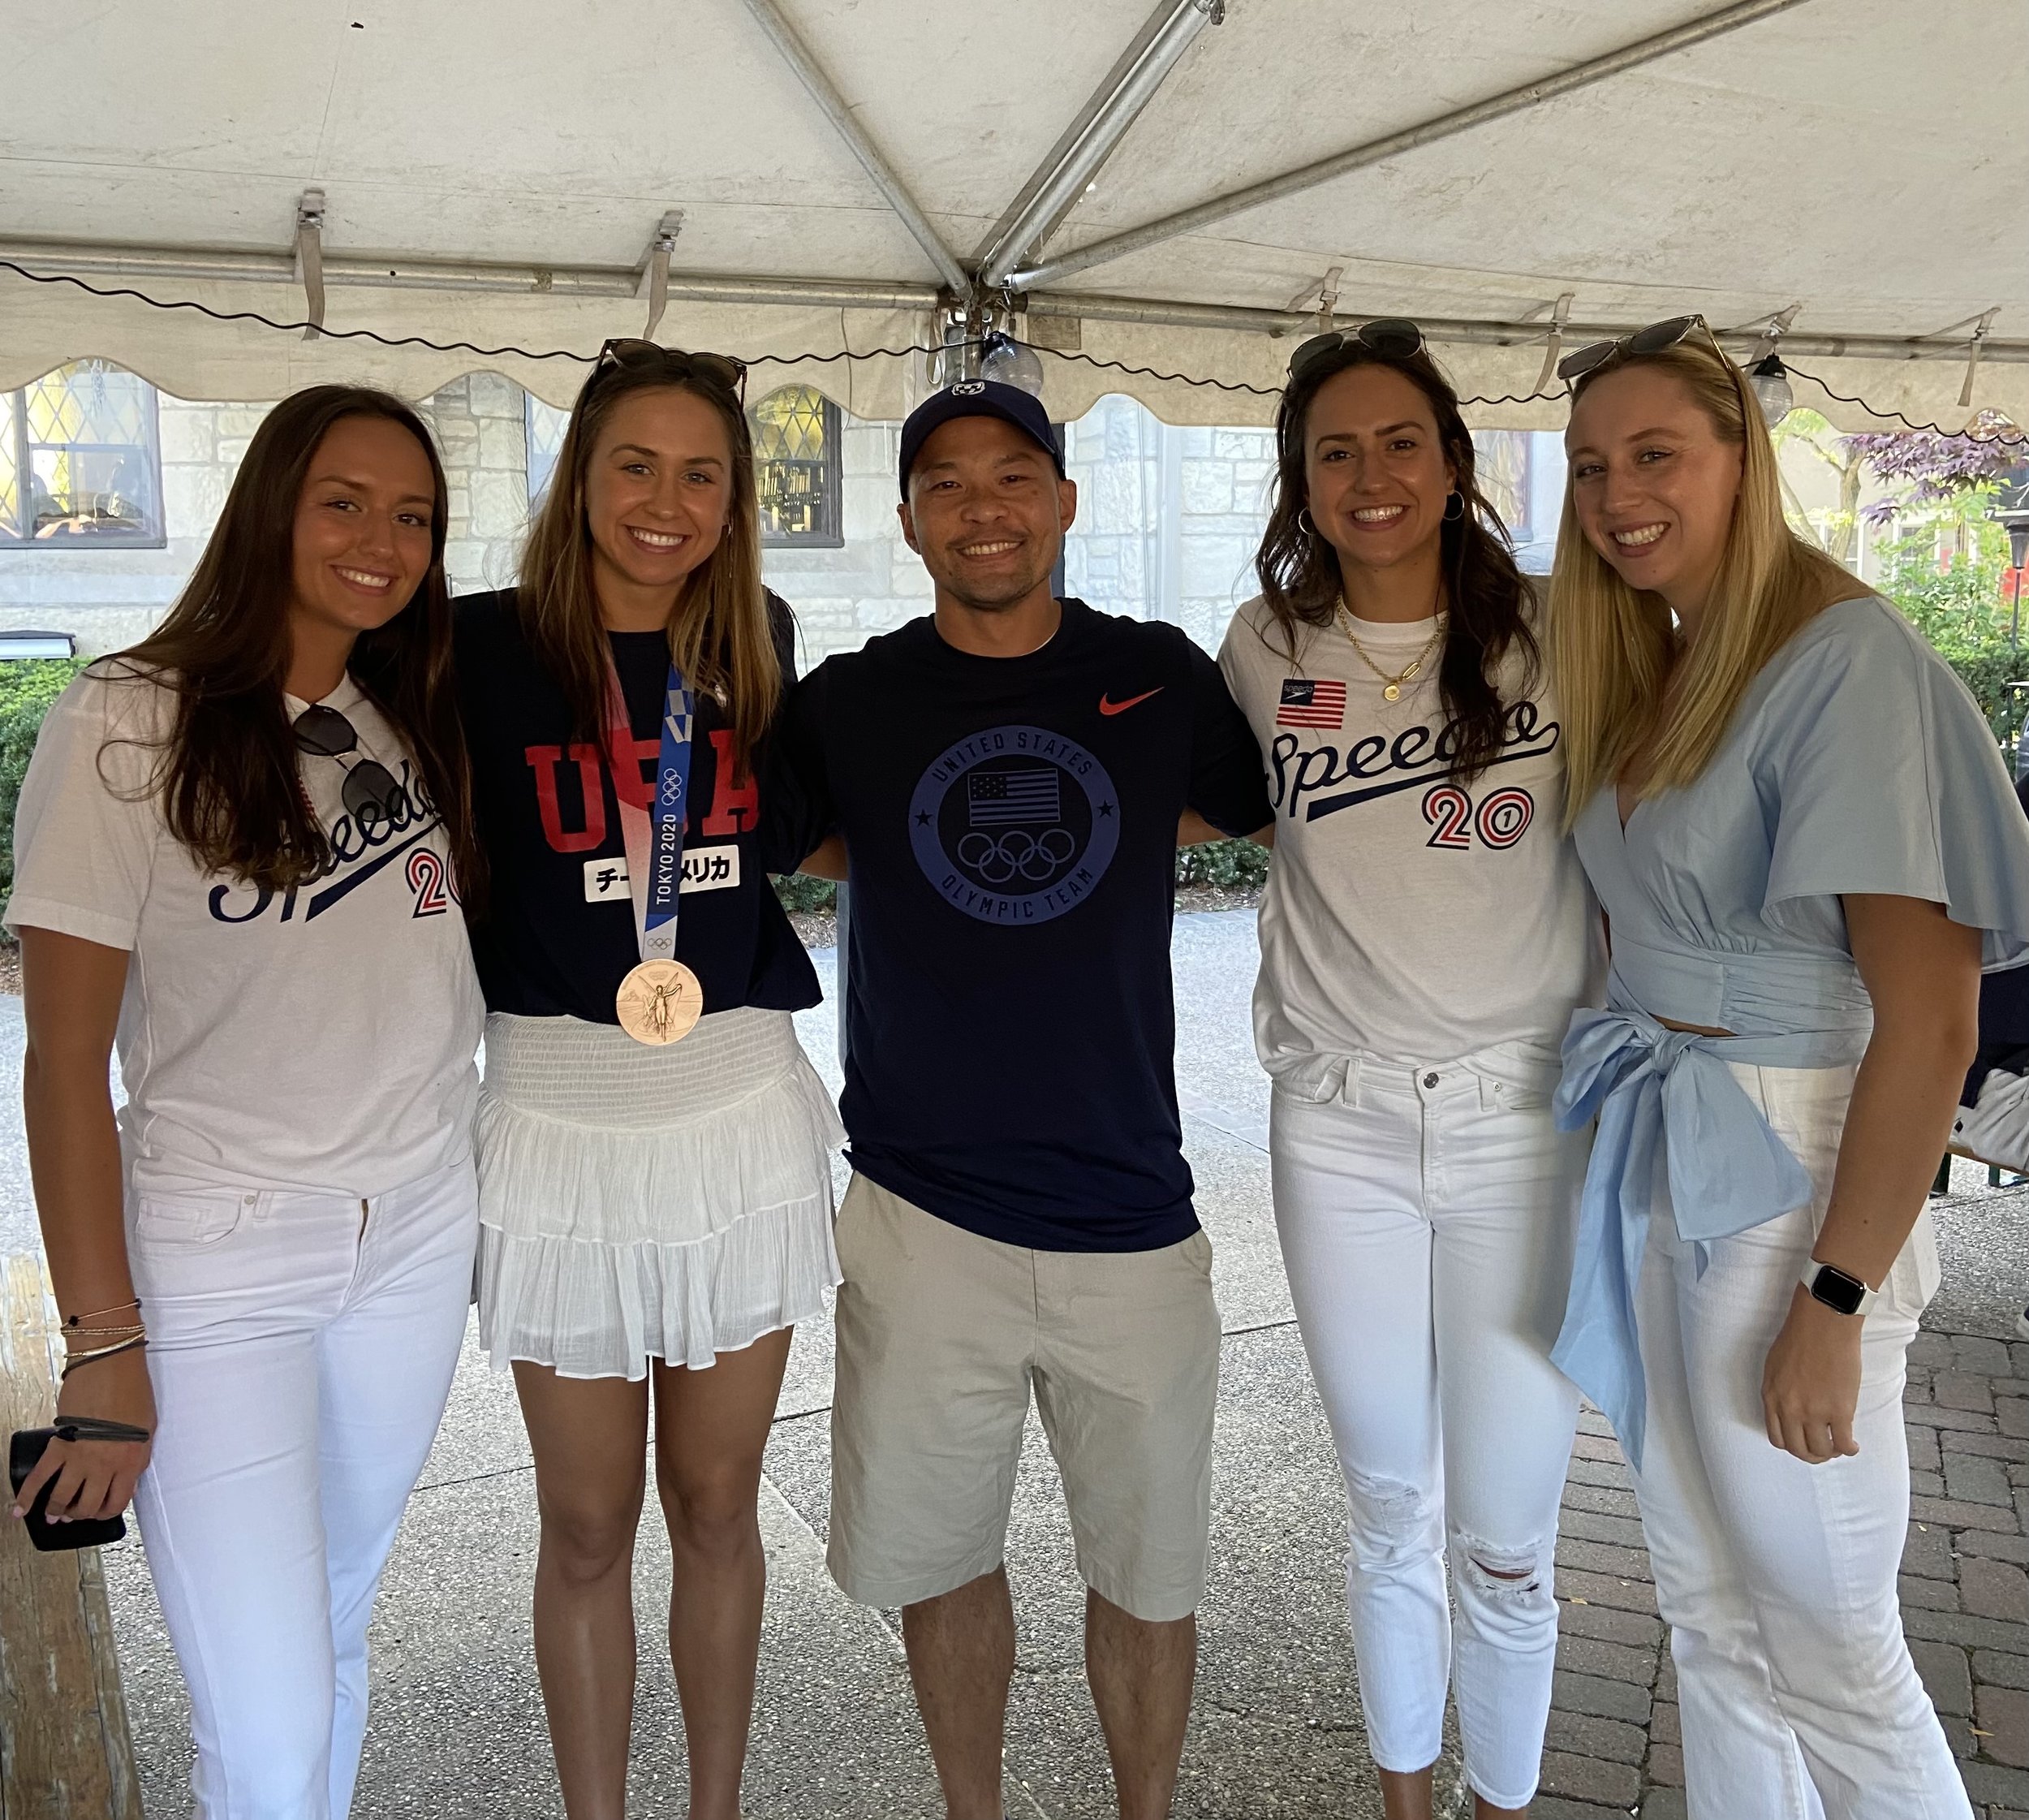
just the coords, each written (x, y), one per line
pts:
(321, 1038)
(1406, 916)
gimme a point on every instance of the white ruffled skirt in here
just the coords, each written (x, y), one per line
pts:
(637, 1202)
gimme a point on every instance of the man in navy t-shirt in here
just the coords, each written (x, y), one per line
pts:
(1010, 777)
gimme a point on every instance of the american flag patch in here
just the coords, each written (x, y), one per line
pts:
(998, 799)
(1311, 702)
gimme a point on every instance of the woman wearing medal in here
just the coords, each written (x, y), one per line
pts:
(655, 1184)
(1426, 935)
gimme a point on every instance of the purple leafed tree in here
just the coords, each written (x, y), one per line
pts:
(1938, 467)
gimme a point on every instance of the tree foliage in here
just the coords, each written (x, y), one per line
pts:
(27, 689)
(1935, 470)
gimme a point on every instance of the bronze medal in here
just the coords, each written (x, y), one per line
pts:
(659, 1001)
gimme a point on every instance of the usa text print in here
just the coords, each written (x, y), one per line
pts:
(1414, 756)
(569, 786)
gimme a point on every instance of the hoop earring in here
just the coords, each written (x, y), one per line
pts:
(1454, 497)
(1303, 519)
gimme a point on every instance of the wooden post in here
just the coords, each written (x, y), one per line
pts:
(65, 1753)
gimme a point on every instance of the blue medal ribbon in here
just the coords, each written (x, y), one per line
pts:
(661, 899)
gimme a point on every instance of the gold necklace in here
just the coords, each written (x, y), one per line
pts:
(1391, 687)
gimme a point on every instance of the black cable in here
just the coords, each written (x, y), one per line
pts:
(269, 323)
(1934, 430)
(424, 341)
(1150, 372)
(849, 354)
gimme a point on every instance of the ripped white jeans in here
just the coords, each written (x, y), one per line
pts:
(1426, 1216)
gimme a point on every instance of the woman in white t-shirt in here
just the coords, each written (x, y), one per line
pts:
(238, 852)
(1426, 935)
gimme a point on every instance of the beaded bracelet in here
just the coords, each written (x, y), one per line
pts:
(131, 1301)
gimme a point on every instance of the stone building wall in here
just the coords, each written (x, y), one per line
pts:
(1168, 523)
(110, 596)
(482, 434)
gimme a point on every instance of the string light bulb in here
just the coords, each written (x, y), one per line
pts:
(1770, 379)
(1008, 362)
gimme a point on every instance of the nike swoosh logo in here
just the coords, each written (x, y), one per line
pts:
(1107, 706)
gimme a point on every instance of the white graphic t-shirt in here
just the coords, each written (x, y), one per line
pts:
(320, 1038)
(1406, 916)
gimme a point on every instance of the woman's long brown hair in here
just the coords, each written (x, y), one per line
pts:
(719, 633)
(227, 775)
(1485, 594)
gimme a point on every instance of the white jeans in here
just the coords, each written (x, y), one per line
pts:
(1426, 1216)
(301, 1347)
(1777, 1577)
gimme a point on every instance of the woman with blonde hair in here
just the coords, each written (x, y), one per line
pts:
(1803, 836)
(655, 1185)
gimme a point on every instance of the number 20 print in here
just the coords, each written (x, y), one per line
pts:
(1500, 820)
(430, 880)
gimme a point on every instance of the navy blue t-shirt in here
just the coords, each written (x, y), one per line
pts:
(559, 934)
(1010, 825)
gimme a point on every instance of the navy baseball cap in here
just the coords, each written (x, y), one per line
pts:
(977, 398)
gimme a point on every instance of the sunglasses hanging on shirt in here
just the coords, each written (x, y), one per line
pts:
(370, 787)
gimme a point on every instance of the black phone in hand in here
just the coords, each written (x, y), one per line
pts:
(26, 1447)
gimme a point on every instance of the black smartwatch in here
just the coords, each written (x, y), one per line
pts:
(1830, 1285)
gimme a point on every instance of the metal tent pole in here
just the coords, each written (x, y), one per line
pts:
(812, 75)
(1061, 178)
(1445, 126)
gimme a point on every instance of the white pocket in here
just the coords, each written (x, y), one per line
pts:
(193, 1221)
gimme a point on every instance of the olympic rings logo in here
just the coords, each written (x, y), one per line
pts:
(1015, 825)
(999, 860)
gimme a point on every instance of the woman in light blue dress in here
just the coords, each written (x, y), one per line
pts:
(1803, 837)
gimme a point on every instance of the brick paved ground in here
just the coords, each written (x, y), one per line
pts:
(1613, 1741)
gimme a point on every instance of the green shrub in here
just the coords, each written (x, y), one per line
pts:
(1228, 865)
(799, 891)
(27, 688)
(1959, 609)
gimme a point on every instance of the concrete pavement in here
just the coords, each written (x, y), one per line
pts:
(457, 1726)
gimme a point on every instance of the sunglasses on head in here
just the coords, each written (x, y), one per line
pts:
(370, 787)
(1651, 340)
(1393, 337)
(632, 355)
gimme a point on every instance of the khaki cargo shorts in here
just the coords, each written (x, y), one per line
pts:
(941, 1334)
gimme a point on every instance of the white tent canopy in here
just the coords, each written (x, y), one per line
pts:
(498, 176)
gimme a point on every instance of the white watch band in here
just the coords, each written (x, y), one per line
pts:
(1809, 1279)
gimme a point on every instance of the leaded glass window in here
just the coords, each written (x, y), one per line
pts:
(80, 459)
(796, 467)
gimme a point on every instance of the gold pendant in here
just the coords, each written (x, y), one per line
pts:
(1392, 693)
